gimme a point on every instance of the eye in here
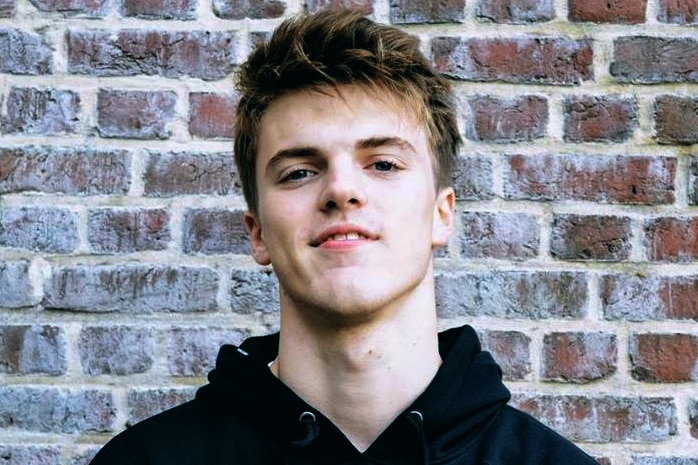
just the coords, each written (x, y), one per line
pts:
(297, 175)
(385, 165)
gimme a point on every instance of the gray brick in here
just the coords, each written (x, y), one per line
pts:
(21, 454)
(145, 403)
(49, 230)
(254, 291)
(159, 9)
(192, 351)
(116, 350)
(32, 349)
(7, 8)
(121, 231)
(499, 235)
(210, 231)
(24, 53)
(515, 11)
(85, 8)
(41, 111)
(83, 456)
(134, 114)
(472, 178)
(253, 9)
(15, 285)
(653, 460)
(169, 174)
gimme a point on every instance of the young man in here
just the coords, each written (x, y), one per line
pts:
(345, 143)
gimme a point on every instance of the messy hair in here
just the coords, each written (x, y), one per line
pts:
(331, 49)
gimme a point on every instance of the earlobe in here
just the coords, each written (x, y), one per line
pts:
(444, 215)
(254, 229)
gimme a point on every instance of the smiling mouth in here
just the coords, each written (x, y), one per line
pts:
(352, 236)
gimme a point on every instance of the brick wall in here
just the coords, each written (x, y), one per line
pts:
(123, 259)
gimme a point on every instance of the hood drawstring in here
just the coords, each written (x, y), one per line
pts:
(417, 419)
(311, 431)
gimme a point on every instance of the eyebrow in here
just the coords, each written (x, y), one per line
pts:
(377, 142)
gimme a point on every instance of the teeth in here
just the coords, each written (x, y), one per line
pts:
(352, 236)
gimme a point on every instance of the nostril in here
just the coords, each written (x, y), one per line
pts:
(331, 205)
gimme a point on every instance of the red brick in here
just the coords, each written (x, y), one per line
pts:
(526, 60)
(664, 358)
(671, 239)
(212, 116)
(608, 11)
(511, 350)
(678, 11)
(135, 114)
(599, 118)
(515, 11)
(591, 237)
(208, 55)
(604, 419)
(25, 53)
(169, 174)
(579, 357)
(522, 118)
(594, 178)
(41, 111)
(7, 8)
(253, 9)
(513, 236)
(426, 11)
(210, 231)
(364, 6)
(159, 9)
(89, 8)
(676, 119)
(122, 231)
(144, 403)
(472, 178)
(649, 60)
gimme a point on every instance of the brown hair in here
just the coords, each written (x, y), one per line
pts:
(334, 48)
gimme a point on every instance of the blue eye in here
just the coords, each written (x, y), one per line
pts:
(298, 175)
(384, 166)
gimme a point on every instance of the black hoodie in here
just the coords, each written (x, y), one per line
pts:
(245, 415)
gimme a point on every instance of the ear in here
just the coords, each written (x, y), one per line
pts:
(444, 214)
(254, 229)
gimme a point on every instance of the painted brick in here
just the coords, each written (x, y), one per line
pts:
(32, 350)
(16, 289)
(594, 178)
(41, 111)
(20, 454)
(527, 60)
(649, 60)
(513, 236)
(693, 417)
(676, 119)
(670, 239)
(664, 358)
(654, 460)
(429, 11)
(7, 8)
(191, 351)
(131, 289)
(25, 53)
(678, 11)
(253, 9)
(135, 114)
(515, 11)
(42, 229)
(212, 115)
(512, 294)
(208, 55)
(159, 9)
(590, 118)
(128, 230)
(116, 350)
(169, 174)
(511, 350)
(210, 231)
(516, 119)
(254, 292)
(579, 357)
(52, 410)
(604, 419)
(608, 11)
(364, 6)
(591, 237)
(144, 403)
(66, 170)
(89, 8)
(472, 178)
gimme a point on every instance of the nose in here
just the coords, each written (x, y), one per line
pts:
(344, 188)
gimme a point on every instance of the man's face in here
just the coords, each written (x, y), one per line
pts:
(348, 211)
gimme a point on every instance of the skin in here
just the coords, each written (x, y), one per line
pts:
(349, 216)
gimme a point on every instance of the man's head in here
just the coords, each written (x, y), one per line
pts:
(338, 48)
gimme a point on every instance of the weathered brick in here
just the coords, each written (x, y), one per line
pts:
(89, 8)
(116, 350)
(64, 170)
(526, 60)
(579, 357)
(590, 118)
(191, 351)
(144, 403)
(671, 239)
(594, 178)
(678, 11)
(7, 8)
(515, 11)
(693, 417)
(135, 114)
(21, 454)
(676, 119)
(253, 9)
(608, 11)
(169, 174)
(511, 350)
(24, 53)
(32, 350)
(131, 289)
(212, 115)
(159, 9)
(591, 237)
(472, 178)
(364, 6)
(430, 11)
(512, 294)
(604, 419)
(41, 111)
(52, 410)
(128, 230)
(664, 358)
(493, 119)
(513, 236)
(209, 55)
(84, 455)
(213, 231)
(648, 60)
(16, 289)
(693, 181)
(654, 460)
(254, 292)
(44, 229)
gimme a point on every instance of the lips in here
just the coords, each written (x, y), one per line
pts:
(342, 233)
